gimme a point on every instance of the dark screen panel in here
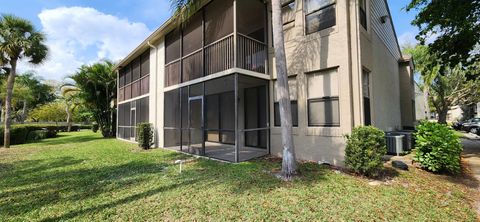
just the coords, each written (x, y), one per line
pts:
(252, 25)
(136, 69)
(172, 46)
(172, 74)
(192, 34)
(128, 75)
(218, 20)
(172, 108)
(192, 67)
(145, 66)
(145, 85)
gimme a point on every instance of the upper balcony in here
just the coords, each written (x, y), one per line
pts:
(224, 34)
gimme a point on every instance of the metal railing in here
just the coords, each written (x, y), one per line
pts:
(251, 54)
(216, 57)
(219, 55)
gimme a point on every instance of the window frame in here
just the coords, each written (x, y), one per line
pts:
(362, 7)
(323, 99)
(292, 101)
(306, 14)
(287, 4)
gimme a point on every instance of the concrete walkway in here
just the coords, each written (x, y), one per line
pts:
(471, 154)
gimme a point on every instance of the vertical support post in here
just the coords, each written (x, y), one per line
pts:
(235, 37)
(181, 118)
(237, 145)
(118, 93)
(204, 73)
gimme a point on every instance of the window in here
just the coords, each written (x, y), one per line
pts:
(292, 86)
(288, 11)
(366, 98)
(320, 14)
(363, 13)
(323, 102)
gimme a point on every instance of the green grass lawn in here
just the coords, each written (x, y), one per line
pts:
(82, 177)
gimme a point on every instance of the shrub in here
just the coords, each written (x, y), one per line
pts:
(19, 134)
(437, 148)
(95, 127)
(364, 150)
(144, 135)
(36, 135)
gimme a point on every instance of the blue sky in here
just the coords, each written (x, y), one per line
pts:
(83, 31)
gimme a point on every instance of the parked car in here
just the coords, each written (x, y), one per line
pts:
(458, 125)
(472, 126)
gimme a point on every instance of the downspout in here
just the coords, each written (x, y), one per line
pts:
(156, 88)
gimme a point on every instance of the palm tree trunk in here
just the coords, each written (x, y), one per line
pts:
(69, 115)
(8, 103)
(427, 107)
(289, 165)
(24, 111)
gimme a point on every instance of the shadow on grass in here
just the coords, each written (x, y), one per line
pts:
(51, 180)
(68, 139)
(39, 184)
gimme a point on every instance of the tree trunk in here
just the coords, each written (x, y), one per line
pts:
(427, 107)
(1, 113)
(69, 115)
(289, 165)
(442, 116)
(24, 111)
(8, 103)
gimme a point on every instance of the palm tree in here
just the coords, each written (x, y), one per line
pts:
(71, 98)
(186, 8)
(18, 39)
(98, 90)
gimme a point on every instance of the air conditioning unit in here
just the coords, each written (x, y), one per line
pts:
(394, 143)
(408, 140)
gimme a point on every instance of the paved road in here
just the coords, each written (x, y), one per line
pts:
(471, 153)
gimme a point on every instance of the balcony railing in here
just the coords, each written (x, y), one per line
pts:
(216, 57)
(219, 55)
(251, 54)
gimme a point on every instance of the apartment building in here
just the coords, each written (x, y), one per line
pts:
(208, 85)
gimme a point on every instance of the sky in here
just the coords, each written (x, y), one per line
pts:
(85, 31)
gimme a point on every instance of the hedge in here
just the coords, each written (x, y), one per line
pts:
(20, 134)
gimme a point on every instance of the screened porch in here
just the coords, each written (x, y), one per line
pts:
(223, 35)
(224, 118)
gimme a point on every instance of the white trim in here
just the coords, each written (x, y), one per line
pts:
(133, 99)
(130, 141)
(218, 75)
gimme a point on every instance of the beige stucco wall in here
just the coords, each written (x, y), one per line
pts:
(384, 83)
(156, 90)
(329, 48)
(407, 95)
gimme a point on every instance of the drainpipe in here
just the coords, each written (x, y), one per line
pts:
(156, 94)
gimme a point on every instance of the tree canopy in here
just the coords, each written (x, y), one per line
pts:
(456, 26)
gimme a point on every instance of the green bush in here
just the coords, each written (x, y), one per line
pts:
(36, 135)
(95, 127)
(19, 134)
(144, 135)
(364, 150)
(437, 148)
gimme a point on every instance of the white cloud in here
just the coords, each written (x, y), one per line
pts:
(407, 38)
(78, 35)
